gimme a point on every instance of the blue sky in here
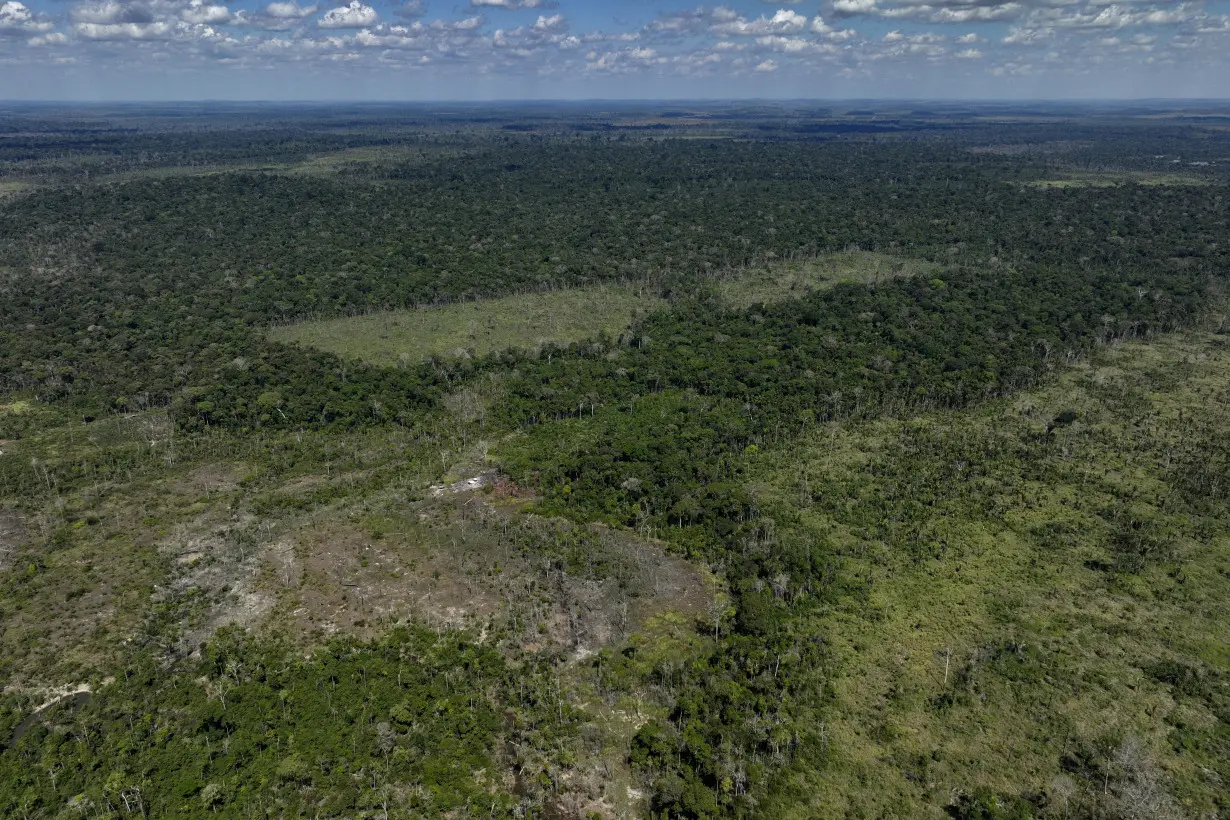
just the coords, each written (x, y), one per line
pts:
(642, 49)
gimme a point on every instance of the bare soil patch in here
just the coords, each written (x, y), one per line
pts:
(469, 559)
(217, 560)
(210, 478)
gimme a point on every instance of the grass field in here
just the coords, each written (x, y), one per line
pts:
(526, 321)
(8, 189)
(374, 155)
(1111, 179)
(791, 280)
(1036, 615)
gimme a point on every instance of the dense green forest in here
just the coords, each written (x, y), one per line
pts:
(888, 476)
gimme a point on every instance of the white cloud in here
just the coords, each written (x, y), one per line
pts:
(766, 66)
(956, 12)
(784, 21)
(199, 12)
(969, 38)
(792, 45)
(554, 23)
(974, 14)
(691, 21)
(55, 38)
(1114, 16)
(1025, 36)
(624, 61)
(944, 11)
(355, 15)
(468, 24)
(818, 26)
(509, 4)
(17, 20)
(289, 11)
(159, 30)
(392, 37)
(852, 7)
(411, 10)
(969, 54)
(107, 12)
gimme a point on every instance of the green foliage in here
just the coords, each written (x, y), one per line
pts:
(410, 721)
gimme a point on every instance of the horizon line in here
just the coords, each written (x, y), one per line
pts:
(652, 100)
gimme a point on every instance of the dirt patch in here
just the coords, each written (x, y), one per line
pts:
(13, 535)
(217, 575)
(465, 485)
(472, 561)
(337, 578)
(209, 479)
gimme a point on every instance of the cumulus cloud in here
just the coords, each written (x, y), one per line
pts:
(939, 11)
(55, 38)
(355, 15)
(623, 61)
(1215, 24)
(1115, 16)
(1027, 36)
(108, 12)
(784, 21)
(16, 20)
(766, 66)
(411, 10)
(554, 23)
(401, 37)
(198, 11)
(511, 4)
(468, 24)
(849, 8)
(690, 21)
(1057, 13)
(958, 11)
(789, 45)
(157, 30)
(289, 11)
(818, 26)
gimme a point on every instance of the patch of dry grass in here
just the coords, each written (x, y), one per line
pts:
(793, 280)
(526, 321)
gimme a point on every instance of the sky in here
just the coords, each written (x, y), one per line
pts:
(101, 50)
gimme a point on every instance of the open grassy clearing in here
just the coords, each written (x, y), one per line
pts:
(1109, 179)
(374, 155)
(1039, 610)
(792, 280)
(9, 188)
(526, 321)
